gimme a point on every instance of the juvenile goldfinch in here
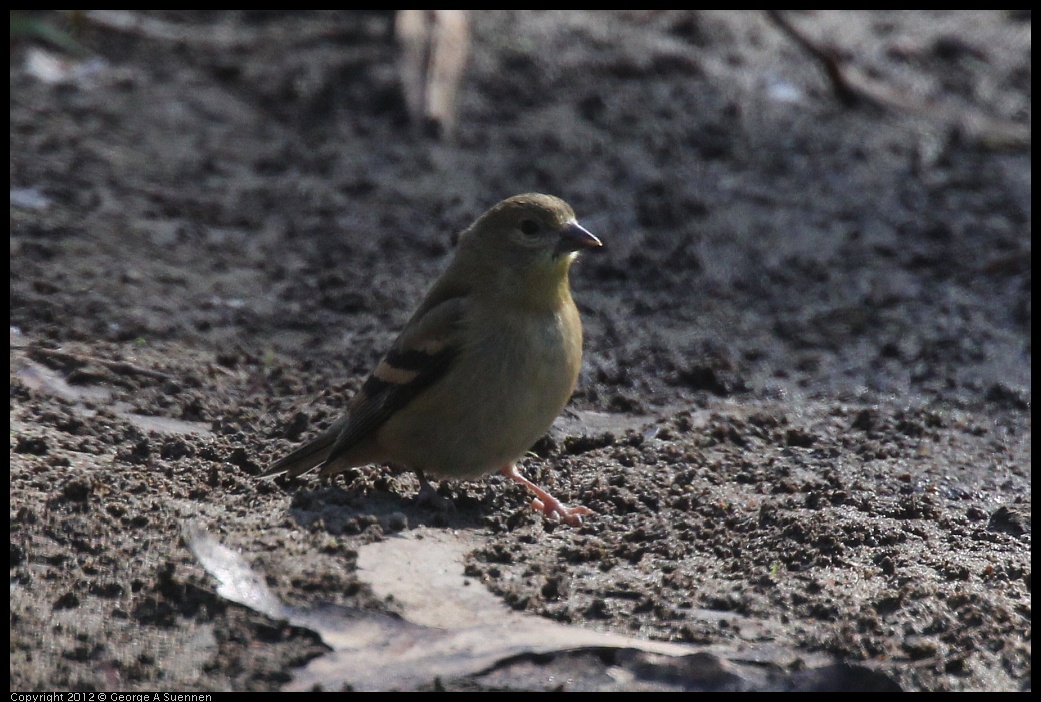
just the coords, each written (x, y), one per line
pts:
(484, 365)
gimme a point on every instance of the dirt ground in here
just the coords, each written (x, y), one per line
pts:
(803, 418)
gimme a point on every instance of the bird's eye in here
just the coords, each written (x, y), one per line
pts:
(529, 227)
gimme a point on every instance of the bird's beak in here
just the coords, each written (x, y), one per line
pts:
(574, 238)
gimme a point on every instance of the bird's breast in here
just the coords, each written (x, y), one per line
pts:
(512, 377)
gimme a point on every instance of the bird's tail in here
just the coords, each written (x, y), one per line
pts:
(306, 457)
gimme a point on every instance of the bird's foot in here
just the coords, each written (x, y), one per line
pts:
(555, 509)
(546, 503)
(428, 496)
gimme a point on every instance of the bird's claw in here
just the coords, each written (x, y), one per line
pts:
(559, 511)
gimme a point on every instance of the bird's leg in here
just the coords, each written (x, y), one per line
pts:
(428, 495)
(546, 503)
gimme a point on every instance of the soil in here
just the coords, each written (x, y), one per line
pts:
(803, 418)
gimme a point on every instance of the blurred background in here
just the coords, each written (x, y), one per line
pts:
(223, 218)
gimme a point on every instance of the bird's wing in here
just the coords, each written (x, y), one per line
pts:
(421, 355)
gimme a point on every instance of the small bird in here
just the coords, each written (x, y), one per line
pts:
(484, 365)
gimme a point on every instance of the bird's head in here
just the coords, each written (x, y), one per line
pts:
(528, 240)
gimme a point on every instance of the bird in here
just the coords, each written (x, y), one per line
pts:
(482, 368)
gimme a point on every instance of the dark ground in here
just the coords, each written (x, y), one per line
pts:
(804, 413)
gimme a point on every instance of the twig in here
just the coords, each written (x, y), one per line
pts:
(853, 89)
(828, 57)
(119, 367)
